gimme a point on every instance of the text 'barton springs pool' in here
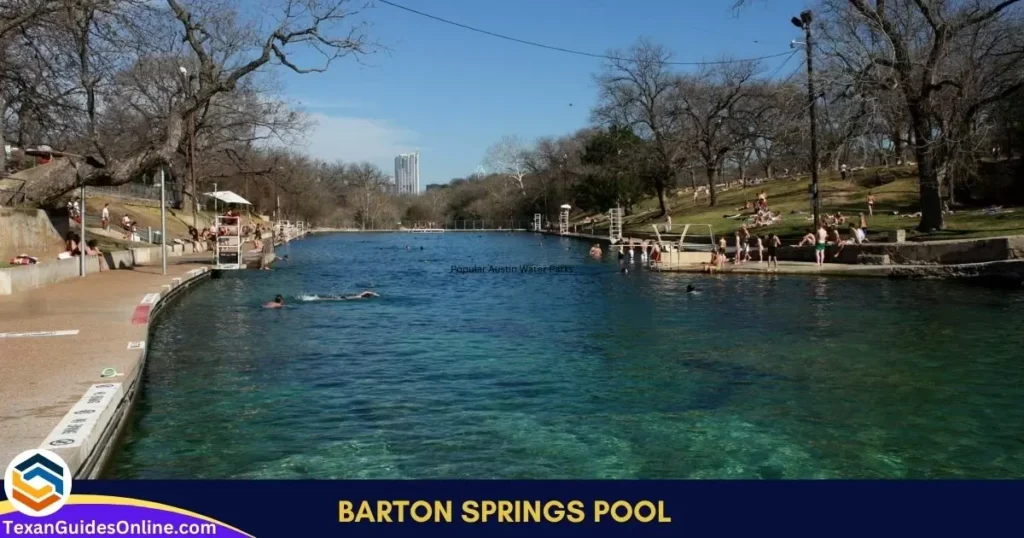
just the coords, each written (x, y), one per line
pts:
(591, 373)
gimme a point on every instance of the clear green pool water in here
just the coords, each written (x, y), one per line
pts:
(585, 374)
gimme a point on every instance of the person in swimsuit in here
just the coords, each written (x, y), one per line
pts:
(773, 249)
(871, 204)
(364, 295)
(760, 249)
(808, 238)
(837, 240)
(278, 302)
(819, 246)
(745, 237)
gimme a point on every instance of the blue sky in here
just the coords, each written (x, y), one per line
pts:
(451, 93)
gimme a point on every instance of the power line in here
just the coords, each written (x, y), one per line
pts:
(783, 64)
(568, 51)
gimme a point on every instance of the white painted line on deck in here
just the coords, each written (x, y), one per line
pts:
(137, 345)
(150, 298)
(166, 287)
(39, 333)
(94, 408)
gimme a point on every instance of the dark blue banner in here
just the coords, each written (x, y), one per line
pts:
(572, 508)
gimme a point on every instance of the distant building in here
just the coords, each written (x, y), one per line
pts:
(407, 173)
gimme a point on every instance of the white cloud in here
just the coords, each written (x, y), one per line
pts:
(359, 139)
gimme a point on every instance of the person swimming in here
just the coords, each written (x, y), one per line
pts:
(690, 288)
(363, 295)
(278, 302)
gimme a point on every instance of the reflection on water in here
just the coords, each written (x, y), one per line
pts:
(591, 374)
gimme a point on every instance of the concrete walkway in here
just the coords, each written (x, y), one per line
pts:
(43, 376)
(790, 268)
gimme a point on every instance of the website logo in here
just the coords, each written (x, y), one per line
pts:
(37, 482)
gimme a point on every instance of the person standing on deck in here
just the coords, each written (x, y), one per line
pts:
(773, 251)
(745, 237)
(738, 258)
(105, 217)
(819, 247)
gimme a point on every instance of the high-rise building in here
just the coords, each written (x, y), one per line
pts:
(407, 173)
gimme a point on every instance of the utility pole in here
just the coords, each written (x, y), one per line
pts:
(804, 22)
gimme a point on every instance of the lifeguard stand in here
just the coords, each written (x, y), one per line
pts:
(228, 251)
(615, 224)
(536, 222)
(563, 219)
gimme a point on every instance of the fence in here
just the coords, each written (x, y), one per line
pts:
(485, 225)
(141, 191)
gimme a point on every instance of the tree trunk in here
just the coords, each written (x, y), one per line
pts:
(659, 185)
(61, 176)
(3, 153)
(931, 200)
(897, 146)
(712, 196)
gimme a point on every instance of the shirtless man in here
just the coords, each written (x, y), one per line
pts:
(819, 246)
(278, 302)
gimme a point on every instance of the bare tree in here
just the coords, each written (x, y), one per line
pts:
(508, 157)
(716, 105)
(922, 49)
(636, 90)
(114, 38)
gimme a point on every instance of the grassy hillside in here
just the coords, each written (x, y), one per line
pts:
(893, 200)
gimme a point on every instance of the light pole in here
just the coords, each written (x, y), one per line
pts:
(81, 239)
(804, 22)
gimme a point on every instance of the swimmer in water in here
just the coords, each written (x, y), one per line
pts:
(364, 295)
(690, 288)
(278, 302)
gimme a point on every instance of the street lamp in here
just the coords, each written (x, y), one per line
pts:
(804, 22)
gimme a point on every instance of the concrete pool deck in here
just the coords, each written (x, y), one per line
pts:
(56, 341)
(998, 260)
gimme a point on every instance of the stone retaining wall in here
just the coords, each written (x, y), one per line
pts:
(956, 252)
(26, 277)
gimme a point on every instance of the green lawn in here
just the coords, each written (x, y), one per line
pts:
(849, 197)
